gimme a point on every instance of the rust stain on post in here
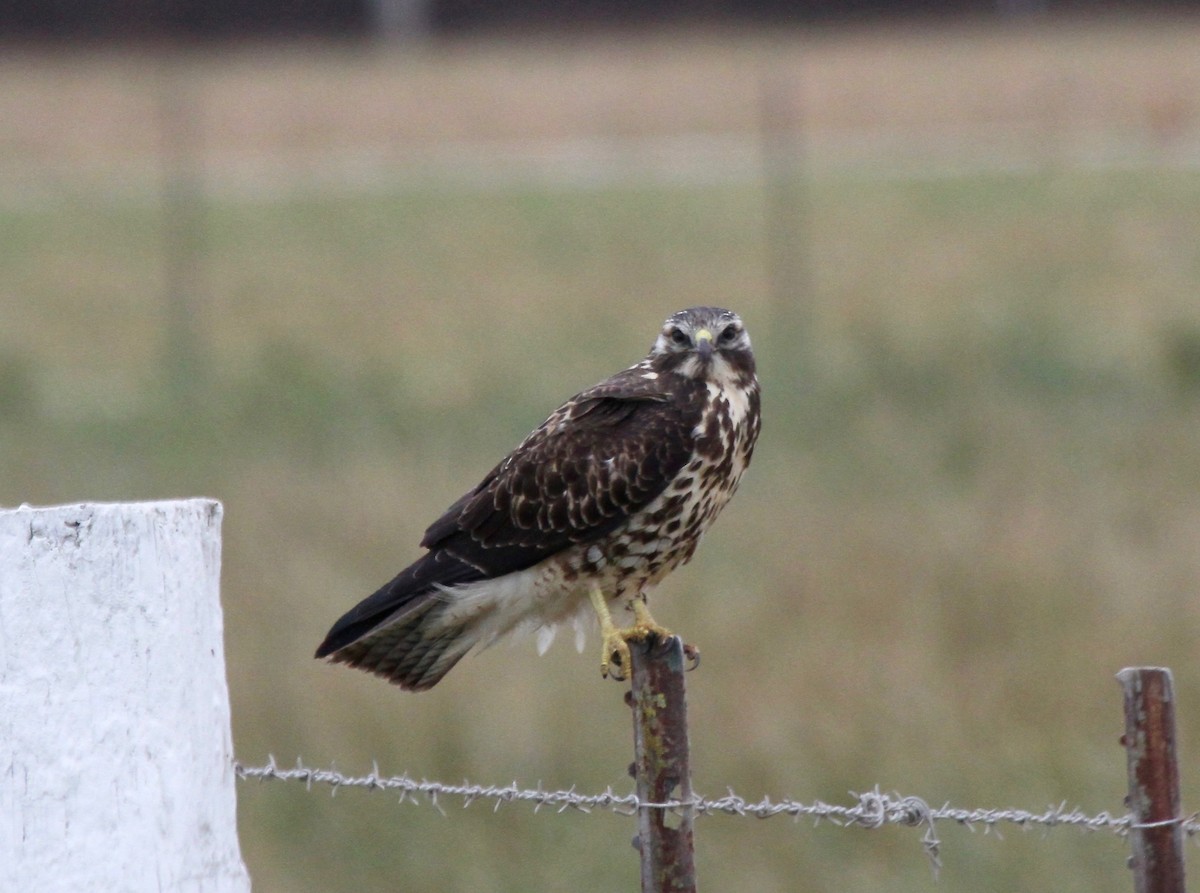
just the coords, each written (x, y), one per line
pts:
(1154, 797)
(661, 766)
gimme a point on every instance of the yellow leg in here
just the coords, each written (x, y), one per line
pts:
(613, 647)
(614, 642)
(646, 625)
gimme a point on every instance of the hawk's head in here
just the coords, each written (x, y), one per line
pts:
(704, 342)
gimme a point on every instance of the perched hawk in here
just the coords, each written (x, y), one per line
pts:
(600, 502)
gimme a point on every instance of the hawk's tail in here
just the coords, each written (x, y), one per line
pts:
(405, 632)
(414, 652)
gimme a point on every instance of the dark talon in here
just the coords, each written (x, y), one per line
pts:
(615, 670)
(692, 653)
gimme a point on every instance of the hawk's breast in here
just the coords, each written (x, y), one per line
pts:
(666, 532)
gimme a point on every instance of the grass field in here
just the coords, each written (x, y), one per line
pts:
(976, 497)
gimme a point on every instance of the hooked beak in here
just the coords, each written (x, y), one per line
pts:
(704, 344)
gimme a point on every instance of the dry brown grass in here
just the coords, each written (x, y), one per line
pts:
(100, 109)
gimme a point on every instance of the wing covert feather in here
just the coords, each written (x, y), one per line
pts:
(599, 458)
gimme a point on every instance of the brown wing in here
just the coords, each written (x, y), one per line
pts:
(601, 457)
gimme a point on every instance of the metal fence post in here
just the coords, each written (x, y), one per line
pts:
(661, 766)
(1154, 796)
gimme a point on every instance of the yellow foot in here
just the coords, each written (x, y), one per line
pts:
(614, 642)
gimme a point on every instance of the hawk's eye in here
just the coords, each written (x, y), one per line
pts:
(679, 337)
(729, 333)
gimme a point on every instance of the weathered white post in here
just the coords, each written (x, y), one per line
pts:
(115, 746)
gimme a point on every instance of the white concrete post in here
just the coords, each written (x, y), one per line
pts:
(115, 745)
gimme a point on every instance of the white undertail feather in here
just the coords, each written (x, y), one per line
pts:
(546, 634)
(534, 601)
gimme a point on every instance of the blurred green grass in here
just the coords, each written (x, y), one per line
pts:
(975, 498)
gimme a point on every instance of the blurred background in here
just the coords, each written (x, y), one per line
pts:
(329, 265)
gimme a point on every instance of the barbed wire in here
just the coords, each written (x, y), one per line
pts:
(873, 809)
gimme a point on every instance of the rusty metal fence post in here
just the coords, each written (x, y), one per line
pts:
(661, 767)
(1154, 794)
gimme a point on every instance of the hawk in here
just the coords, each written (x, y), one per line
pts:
(597, 505)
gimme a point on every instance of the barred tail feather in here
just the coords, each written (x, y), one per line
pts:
(404, 631)
(415, 652)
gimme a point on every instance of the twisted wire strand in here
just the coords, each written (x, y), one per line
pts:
(873, 809)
